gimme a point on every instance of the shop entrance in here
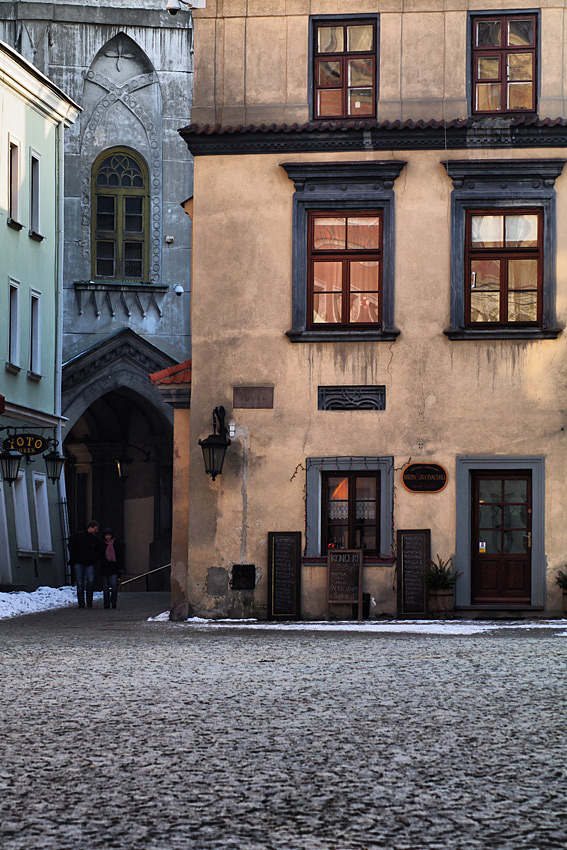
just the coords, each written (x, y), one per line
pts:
(501, 538)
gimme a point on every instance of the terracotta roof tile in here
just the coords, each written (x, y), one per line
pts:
(178, 374)
(371, 124)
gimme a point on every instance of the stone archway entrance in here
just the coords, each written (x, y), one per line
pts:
(119, 472)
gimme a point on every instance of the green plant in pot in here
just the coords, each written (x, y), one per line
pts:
(440, 580)
(561, 581)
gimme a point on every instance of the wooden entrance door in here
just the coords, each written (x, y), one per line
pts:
(501, 538)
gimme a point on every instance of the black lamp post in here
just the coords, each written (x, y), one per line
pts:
(54, 463)
(215, 445)
(10, 462)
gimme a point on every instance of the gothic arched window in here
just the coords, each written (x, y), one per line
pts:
(120, 214)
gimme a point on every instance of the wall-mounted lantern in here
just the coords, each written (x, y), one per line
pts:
(10, 462)
(215, 445)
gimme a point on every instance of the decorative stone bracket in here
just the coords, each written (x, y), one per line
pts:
(123, 298)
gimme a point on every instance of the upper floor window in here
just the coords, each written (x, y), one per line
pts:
(120, 212)
(14, 182)
(344, 72)
(504, 262)
(34, 193)
(504, 63)
(344, 268)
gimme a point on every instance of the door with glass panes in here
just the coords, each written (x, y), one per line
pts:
(501, 538)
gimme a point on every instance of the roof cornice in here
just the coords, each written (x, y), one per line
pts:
(368, 136)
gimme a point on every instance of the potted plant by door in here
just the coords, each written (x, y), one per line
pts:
(561, 581)
(440, 580)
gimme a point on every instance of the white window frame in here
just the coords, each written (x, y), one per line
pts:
(14, 177)
(5, 560)
(22, 514)
(35, 332)
(41, 504)
(14, 322)
(35, 192)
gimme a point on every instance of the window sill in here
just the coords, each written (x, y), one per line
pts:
(118, 286)
(37, 237)
(15, 225)
(34, 376)
(457, 334)
(26, 553)
(46, 554)
(12, 368)
(343, 336)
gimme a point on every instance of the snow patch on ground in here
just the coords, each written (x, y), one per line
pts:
(426, 627)
(43, 599)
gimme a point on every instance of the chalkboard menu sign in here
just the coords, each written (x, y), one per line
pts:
(344, 578)
(414, 552)
(284, 574)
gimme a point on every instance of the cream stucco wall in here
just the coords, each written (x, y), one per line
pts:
(251, 58)
(444, 398)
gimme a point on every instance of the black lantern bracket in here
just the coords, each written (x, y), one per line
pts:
(23, 443)
(215, 445)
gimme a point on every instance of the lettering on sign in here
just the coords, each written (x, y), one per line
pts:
(414, 553)
(344, 578)
(253, 397)
(284, 574)
(424, 477)
(26, 444)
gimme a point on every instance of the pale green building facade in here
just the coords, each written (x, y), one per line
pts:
(33, 116)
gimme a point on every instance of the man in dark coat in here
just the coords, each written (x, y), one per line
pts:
(85, 549)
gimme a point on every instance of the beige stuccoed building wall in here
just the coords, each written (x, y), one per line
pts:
(252, 58)
(450, 400)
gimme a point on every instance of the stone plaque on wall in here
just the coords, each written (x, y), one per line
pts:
(253, 397)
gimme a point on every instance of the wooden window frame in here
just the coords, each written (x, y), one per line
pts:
(344, 256)
(343, 57)
(504, 255)
(35, 333)
(351, 529)
(502, 53)
(35, 194)
(120, 236)
(14, 189)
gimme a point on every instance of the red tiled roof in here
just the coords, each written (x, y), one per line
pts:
(370, 124)
(178, 374)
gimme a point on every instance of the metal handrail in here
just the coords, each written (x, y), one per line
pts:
(157, 569)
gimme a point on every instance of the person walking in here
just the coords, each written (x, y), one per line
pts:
(85, 549)
(111, 567)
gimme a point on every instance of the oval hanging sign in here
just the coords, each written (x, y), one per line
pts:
(424, 477)
(26, 444)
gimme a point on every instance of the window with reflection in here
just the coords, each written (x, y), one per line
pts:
(120, 210)
(504, 267)
(344, 71)
(345, 259)
(504, 63)
(350, 511)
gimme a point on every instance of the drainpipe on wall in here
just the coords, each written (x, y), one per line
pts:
(60, 201)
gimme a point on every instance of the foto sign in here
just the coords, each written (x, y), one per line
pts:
(26, 444)
(424, 477)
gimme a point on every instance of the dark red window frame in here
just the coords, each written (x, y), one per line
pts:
(504, 254)
(323, 82)
(497, 56)
(344, 257)
(333, 536)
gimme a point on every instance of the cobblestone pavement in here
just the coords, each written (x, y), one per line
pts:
(122, 733)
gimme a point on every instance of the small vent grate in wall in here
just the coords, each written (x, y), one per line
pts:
(352, 398)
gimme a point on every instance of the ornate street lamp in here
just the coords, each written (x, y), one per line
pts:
(10, 462)
(54, 463)
(215, 445)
